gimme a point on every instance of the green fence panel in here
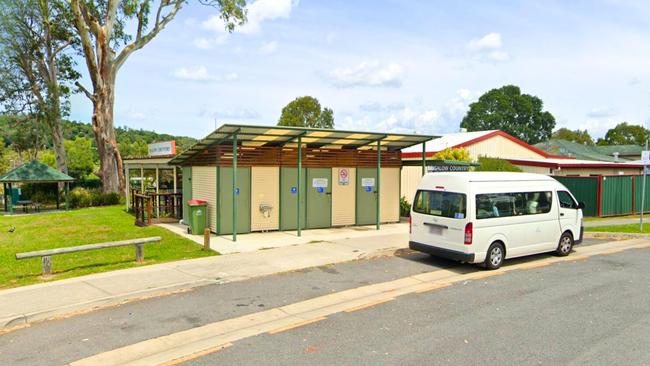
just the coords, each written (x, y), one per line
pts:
(617, 195)
(584, 189)
(638, 189)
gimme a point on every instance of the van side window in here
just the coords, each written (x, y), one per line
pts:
(512, 204)
(566, 201)
(439, 203)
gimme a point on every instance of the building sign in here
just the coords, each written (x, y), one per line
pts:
(368, 188)
(367, 182)
(645, 157)
(319, 182)
(447, 168)
(344, 176)
(162, 148)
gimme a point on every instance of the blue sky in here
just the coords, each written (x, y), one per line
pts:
(399, 66)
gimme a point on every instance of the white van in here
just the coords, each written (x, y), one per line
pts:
(481, 217)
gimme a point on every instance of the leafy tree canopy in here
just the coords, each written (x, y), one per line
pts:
(495, 165)
(625, 134)
(581, 137)
(456, 154)
(306, 112)
(508, 110)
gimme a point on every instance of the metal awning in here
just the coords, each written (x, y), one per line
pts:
(254, 136)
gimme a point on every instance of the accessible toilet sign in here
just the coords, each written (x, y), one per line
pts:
(319, 182)
(367, 182)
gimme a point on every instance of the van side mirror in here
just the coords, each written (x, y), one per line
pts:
(581, 205)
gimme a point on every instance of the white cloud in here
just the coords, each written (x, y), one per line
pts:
(489, 47)
(498, 56)
(268, 48)
(232, 113)
(464, 93)
(377, 106)
(405, 120)
(209, 43)
(137, 115)
(257, 12)
(331, 36)
(371, 73)
(602, 112)
(201, 73)
(490, 41)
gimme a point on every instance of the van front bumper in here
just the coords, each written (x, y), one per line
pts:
(442, 252)
(582, 232)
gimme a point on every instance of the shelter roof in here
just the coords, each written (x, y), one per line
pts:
(286, 136)
(35, 172)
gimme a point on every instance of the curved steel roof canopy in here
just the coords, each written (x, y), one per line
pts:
(250, 135)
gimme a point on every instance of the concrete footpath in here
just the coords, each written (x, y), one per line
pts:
(24, 305)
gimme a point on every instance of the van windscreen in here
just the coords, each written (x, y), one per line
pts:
(440, 203)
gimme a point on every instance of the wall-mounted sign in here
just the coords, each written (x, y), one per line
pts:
(368, 188)
(320, 189)
(447, 168)
(344, 176)
(294, 190)
(319, 182)
(162, 148)
(367, 182)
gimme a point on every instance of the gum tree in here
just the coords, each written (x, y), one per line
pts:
(36, 66)
(103, 29)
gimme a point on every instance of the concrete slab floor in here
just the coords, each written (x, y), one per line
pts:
(276, 239)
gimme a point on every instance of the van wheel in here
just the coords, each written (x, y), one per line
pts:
(565, 245)
(495, 255)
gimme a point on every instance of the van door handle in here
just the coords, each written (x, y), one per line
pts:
(436, 225)
(561, 214)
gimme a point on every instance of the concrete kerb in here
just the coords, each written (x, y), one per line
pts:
(173, 277)
(614, 236)
(212, 336)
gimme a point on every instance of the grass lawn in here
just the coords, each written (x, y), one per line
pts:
(77, 227)
(629, 228)
(605, 219)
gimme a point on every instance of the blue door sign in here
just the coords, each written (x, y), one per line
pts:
(294, 190)
(320, 189)
(368, 188)
(237, 191)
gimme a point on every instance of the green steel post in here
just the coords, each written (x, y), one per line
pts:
(67, 196)
(424, 157)
(643, 193)
(11, 199)
(378, 182)
(299, 188)
(234, 187)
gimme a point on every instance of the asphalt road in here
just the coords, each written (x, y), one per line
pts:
(66, 340)
(589, 312)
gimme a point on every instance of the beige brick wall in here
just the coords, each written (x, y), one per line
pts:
(204, 187)
(265, 188)
(343, 198)
(389, 195)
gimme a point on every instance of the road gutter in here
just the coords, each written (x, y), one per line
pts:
(173, 348)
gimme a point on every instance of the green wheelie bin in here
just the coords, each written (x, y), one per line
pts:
(198, 216)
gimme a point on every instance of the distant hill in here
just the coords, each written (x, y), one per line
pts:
(73, 129)
(130, 140)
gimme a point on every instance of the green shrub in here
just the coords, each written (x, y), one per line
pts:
(82, 197)
(404, 207)
(79, 197)
(495, 165)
